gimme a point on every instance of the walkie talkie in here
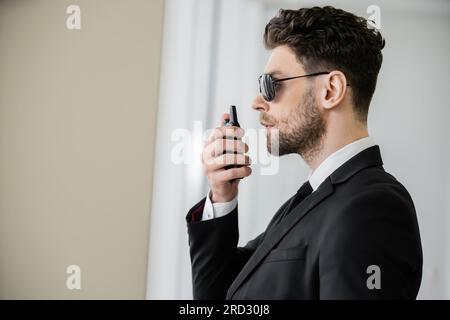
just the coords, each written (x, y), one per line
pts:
(233, 121)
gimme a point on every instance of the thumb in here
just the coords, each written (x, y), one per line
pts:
(224, 117)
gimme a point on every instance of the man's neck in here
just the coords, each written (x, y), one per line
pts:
(332, 143)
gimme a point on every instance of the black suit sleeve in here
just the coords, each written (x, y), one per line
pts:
(216, 260)
(377, 227)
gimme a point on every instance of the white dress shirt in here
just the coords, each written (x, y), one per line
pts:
(316, 177)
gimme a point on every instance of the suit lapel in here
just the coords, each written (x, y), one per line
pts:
(278, 232)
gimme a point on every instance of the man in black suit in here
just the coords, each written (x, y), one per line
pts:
(350, 231)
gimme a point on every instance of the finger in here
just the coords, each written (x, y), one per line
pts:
(226, 160)
(221, 146)
(233, 173)
(224, 117)
(208, 153)
(229, 132)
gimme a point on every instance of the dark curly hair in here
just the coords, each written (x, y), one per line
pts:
(332, 39)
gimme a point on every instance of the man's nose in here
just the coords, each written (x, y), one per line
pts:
(259, 104)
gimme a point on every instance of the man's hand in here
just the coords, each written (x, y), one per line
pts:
(224, 148)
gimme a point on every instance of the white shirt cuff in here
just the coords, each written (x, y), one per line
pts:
(218, 209)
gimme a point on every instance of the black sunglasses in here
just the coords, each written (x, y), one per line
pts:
(267, 84)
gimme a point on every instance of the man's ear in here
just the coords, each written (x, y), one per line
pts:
(334, 87)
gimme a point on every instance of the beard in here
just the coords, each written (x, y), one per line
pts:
(301, 132)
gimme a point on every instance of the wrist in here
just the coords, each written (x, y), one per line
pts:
(219, 199)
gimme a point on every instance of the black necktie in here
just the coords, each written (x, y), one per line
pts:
(304, 191)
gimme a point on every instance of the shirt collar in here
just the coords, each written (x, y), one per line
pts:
(336, 159)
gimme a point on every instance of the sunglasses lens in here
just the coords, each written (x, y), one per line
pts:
(266, 87)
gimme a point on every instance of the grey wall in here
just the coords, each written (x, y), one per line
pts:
(77, 116)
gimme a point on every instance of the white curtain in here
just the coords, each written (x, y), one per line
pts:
(212, 56)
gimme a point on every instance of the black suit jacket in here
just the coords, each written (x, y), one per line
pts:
(360, 216)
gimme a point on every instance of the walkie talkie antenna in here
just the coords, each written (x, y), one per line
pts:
(233, 116)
